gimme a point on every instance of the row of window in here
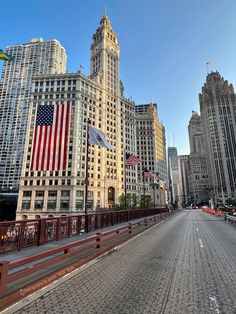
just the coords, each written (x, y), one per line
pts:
(52, 83)
(57, 96)
(64, 205)
(64, 193)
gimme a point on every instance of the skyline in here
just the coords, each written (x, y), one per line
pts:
(160, 60)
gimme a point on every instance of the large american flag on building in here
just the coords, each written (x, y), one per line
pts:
(131, 160)
(50, 137)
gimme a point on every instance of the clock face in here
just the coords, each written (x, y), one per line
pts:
(97, 49)
(112, 50)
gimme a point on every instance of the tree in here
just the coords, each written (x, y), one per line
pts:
(147, 203)
(131, 202)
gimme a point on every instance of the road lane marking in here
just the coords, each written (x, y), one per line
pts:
(216, 307)
(197, 229)
(200, 243)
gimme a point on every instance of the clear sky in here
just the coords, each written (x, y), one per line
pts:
(165, 45)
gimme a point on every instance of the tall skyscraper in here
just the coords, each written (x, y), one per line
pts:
(198, 175)
(173, 174)
(151, 147)
(184, 179)
(36, 57)
(218, 112)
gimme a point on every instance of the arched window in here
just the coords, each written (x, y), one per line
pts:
(111, 196)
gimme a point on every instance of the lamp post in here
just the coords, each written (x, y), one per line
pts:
(86, 180)
(144, 190)
(154, 190)
(153, 185)
(104, 201)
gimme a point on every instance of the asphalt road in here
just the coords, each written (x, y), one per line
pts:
(186, 264)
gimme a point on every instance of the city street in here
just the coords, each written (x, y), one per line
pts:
(186, 264)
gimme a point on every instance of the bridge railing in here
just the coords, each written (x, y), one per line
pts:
(64, 259)
(19, 234)
(230, 218)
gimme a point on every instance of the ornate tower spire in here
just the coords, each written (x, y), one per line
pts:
(104, 57)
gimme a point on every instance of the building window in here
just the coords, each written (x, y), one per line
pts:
(26, 205)
(65, 193)
(64, 204)
(39, 193)
(79, 205)
(52, 193)
(79, 193)
(27, 193)
(38, 204)
(52, 204)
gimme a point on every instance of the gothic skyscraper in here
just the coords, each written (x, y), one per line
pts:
(198, 176)
(218, 112)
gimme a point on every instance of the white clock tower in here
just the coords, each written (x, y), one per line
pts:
(105, 57)
(105, 70)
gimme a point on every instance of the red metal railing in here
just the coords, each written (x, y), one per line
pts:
(16, 235)
(93, 246)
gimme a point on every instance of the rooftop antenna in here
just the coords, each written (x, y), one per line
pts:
(208, 64)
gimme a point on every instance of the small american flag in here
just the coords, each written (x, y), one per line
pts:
(50, 137)
(148, 174)
(131, 160)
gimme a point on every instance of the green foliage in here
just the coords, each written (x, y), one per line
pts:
(131, 202)
(230, 201)
(147, 203)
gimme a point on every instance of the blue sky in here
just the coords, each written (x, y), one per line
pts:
(165, 45)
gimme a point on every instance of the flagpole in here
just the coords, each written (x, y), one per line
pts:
(86, 180)
(154, 201)
(125, 188)
(144, 189)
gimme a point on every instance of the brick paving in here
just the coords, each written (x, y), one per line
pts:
(187, 264)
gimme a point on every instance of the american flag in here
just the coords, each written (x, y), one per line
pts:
(131, 160)
(50, 137)
(148, 174)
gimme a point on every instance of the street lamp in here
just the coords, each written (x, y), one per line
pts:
(104, 201)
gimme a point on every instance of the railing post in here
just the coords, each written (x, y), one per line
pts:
(145, 222)
(66, 251)
(95, 221)
(86, 223)
(102, 220)
(130, 228)
(21, 235)
(4, 266)
(58, 227)
(98, 240)
(42, 232)
(69, 227)
(79, 225)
